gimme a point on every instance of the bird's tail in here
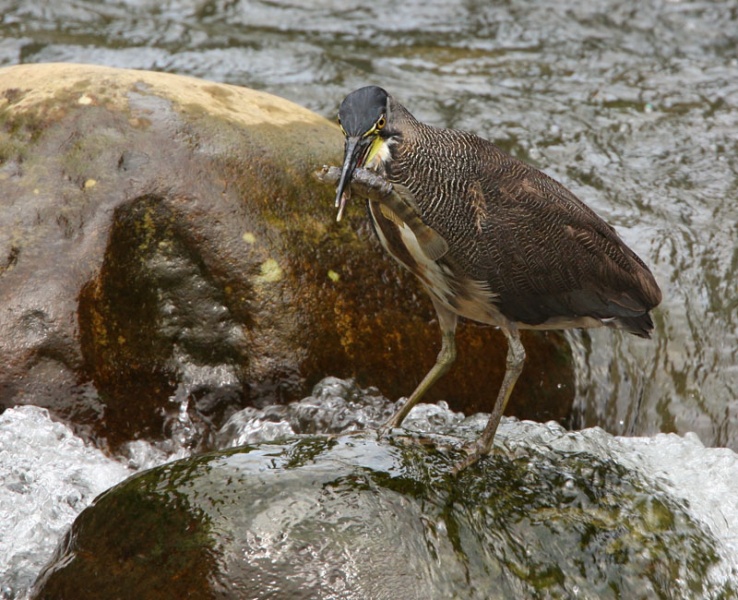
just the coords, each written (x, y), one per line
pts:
(641, 325)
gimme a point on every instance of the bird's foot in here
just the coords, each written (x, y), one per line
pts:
(385, 430)
(474, 453)
(394, 421)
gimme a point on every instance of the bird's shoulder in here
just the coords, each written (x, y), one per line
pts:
(513, 211)
(518, 230)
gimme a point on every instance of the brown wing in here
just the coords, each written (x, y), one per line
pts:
(544, 252)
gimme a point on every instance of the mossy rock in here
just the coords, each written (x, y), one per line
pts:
(163, 238)
(354, 518)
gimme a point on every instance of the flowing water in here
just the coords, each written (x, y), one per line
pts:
(49, 475)
(634, 106)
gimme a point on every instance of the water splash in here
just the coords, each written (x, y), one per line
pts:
(47, 477)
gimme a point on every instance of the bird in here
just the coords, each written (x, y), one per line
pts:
(491, 238)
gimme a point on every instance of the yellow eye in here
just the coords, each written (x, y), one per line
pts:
(381, 122)
(343, 131)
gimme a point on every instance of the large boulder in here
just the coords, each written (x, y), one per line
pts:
(353, 518)
(164, 247)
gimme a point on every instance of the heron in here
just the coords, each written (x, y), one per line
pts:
(491, 238)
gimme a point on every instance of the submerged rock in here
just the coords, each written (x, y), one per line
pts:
(353, 517)
(165, 250)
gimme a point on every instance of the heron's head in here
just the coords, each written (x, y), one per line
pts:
(364, 117)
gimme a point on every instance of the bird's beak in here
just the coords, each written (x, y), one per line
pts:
(353, 152)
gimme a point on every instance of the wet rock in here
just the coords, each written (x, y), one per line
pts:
(352, 517)
(165, 249)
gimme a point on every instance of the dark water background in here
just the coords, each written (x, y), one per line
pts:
(632, 105)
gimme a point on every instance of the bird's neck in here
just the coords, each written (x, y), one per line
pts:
(379, 154)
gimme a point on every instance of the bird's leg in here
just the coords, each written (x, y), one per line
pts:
(513, 367)
(447, 320)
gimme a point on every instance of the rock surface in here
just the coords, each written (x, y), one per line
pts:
(164, 248)
(354, 518)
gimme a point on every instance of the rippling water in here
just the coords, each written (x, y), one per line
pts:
(632, 105)
(49, 475)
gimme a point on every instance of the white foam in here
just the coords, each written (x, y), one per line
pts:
(705, 478)
(47, 477)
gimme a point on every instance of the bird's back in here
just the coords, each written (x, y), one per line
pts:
(547, 258)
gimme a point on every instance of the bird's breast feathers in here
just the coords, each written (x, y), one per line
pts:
(461, 294)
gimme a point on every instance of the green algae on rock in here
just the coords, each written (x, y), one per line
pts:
(350, 517)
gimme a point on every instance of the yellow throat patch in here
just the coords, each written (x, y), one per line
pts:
(378, 153)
